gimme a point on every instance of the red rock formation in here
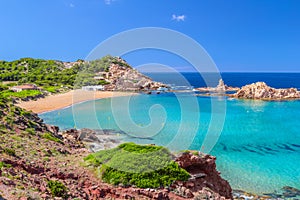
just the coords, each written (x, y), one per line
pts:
(205, 180)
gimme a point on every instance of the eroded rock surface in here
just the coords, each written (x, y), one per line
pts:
(123, 77)
(205, 181)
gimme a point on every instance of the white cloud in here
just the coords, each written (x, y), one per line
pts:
(108, 2)
(178, 17)
(72, 5)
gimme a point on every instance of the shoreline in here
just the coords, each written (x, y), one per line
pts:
(64, 100)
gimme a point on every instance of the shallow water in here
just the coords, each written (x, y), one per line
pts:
(258, 149)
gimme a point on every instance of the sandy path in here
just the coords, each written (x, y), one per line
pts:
(54, 102)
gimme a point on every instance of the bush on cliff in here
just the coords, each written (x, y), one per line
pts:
(22, 94)
(145, 166)
(49, 136)
(57, 188)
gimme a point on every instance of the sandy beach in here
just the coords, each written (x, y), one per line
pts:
(58, 101)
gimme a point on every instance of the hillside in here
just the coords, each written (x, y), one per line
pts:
(56, 76)
(38, 71)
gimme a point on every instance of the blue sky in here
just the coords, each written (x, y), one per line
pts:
(240, 35)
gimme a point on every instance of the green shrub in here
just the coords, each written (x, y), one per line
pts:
(25, 113)
(22, 94)
(57, 188)
(103, 82)
(52, 89)
(30, 131)
(3, 164)
(145, 166)
(49, 136)
(9, 151)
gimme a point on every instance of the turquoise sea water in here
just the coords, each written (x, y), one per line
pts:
(258, 149)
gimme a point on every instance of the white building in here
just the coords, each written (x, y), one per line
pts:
(93, 88)
(19, 88)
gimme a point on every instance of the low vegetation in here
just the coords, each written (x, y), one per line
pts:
(26, 149)
(53, 75)
(9, 151)
(49, 136)
(21, 94)
(57, 188)
(41, 72)
(3, 164)
(144, 166)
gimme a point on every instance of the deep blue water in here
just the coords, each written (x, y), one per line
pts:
(277, 80)
(257, 142)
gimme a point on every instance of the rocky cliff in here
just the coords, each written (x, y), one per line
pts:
(126, 78)
(121, 76)
(260, 90)
(205, 181)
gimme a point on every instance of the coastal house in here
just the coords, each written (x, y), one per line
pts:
(93, 88)
(19, 88)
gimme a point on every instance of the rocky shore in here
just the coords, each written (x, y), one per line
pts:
(286, 192)
(35, 156)
(61, 162)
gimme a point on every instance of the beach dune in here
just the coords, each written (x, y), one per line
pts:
(59, 101)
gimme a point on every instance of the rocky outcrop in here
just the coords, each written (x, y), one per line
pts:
(95, 140)
(260, 90)
(16, 119)
(205, 181)
(69, 65)
(220, 88)
(123, 77)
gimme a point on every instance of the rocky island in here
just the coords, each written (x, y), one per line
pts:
(220, 88)
(260, 90)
